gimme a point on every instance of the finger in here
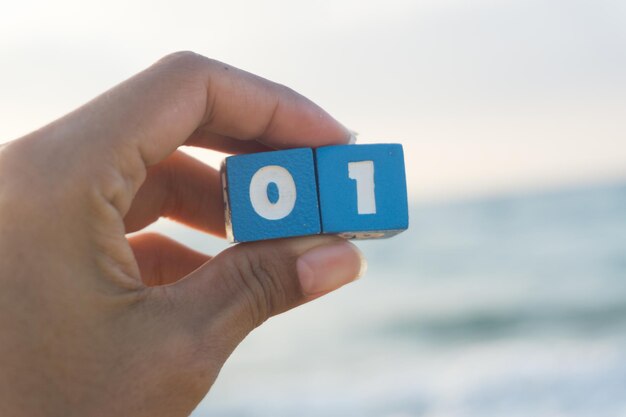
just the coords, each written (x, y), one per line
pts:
(248, 283)
(183, 189)
(143, 120)
(229, 102)
(163, 261)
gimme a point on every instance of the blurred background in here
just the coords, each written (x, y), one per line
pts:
(507, 295)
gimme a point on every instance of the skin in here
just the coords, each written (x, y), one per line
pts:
(94, 323)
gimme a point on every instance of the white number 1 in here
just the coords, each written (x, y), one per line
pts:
(363, 173)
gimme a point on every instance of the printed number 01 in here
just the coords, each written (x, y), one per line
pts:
(363, 173)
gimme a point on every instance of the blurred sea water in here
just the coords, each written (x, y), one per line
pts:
(507, 306)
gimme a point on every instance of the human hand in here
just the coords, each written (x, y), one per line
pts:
(95, 323)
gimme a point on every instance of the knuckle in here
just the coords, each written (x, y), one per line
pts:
(184, 60)
(260, 278)
(111, 188)
(50, 166)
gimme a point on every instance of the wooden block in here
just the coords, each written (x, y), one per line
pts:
(362, 190)
(270, 195)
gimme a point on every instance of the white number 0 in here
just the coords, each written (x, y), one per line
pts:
(363, 173)
(286, 192)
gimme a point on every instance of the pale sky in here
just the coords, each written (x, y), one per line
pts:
(486, 96)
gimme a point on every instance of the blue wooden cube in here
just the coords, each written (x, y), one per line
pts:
(270, 195)
(362, 190)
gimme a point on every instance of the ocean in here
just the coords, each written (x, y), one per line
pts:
(502, 306)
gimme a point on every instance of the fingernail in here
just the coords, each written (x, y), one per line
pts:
(353, 135)
(326, 268)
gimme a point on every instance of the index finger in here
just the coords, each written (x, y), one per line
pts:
(157, 110)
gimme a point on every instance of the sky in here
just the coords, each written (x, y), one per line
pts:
(486, 96)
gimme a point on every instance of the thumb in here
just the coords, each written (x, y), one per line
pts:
(248, 283)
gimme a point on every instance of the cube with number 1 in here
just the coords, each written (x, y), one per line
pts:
(362, 190)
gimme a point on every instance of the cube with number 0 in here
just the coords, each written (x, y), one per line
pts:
(270, 195)
(356, 191)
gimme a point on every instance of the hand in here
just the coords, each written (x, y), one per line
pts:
(95, 323)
